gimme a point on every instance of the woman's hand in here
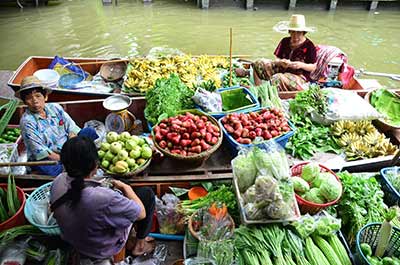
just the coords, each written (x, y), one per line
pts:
(296, 65)
(120, 185)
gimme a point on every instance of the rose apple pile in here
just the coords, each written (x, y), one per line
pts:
(186, 134)
(123, 153)
(245, 127)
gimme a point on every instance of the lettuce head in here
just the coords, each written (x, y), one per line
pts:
(310, 171)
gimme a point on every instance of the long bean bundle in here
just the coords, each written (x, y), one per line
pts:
(11, 106)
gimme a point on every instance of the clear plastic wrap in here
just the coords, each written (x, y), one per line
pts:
(170, 221)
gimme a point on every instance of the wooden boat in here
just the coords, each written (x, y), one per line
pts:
(34, 63)
(218, 166)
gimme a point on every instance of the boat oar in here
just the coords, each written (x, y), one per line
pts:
(31, 163)
(392, 76)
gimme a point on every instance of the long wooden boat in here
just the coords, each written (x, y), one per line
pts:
(218, 166)
(34, 63)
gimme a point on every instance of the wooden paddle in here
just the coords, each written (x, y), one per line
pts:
(32, 163)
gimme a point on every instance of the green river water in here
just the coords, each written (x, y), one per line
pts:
(86, 28)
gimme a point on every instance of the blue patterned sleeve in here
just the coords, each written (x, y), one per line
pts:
(70, 125)
(33, 140)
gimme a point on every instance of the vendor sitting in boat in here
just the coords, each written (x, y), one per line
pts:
(295, 58)
(97, 220)
(45, 127)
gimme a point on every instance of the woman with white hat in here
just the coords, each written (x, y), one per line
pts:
(295, 57)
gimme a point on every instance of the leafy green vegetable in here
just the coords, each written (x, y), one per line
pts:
(310, 171)
(166, 98)
(314, 195)
(300, 185)
(245, 171)
(267, 94)
(387, 103)
(234, 99)
(330, 190)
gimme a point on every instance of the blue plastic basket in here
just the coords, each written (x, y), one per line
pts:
(40, 193)
(369, 234)
(234, 146)
(252, 107)
(392, 196)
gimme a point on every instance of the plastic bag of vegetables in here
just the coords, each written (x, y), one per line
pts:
(170, 221)
(244, 169)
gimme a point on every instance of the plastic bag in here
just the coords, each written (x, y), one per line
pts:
(170, 221)
(14, 254)
(345, 105)
(63, 66)
(100, 129)
(208, 101)
(222, 252)
(40, 211)
(159, 256)
(6, 156)
(213, 223)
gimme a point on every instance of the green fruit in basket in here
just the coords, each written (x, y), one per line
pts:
(140, 161)
(112, 137)
(115, 147)
(130, 145)
(124, 136)
(101, 153)
(105, 163)
(146, 152)
(121, 167)
(108, 156)
(115, 159)
(141, 141)
(135, 138)
(105, 146)
(111, 168)
(131, 162)
(135, 153)
(123, 155)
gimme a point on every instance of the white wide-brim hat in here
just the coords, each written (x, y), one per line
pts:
(296, 23)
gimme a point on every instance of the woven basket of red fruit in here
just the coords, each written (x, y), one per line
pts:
(190, 136)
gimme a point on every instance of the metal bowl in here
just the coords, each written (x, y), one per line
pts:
(117, 103)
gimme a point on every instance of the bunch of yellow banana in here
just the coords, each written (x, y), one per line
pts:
(361, 139)
(144, 72)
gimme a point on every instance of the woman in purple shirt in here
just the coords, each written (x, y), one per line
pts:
(295, 58)
(96, 220)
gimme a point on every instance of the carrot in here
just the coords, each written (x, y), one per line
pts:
(197, 192)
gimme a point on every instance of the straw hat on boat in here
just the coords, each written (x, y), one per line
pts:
(296, 23)
(30, 82)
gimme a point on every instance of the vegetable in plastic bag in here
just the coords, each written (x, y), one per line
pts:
(14, 253)
(300, 185)
(310, 172)
(252, 212)
(250, 194)
(279, 209)
(169, 219)
(244, 170)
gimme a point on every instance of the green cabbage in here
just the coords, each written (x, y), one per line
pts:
(331, 190)
(314, 195)
(322, 178)
(245, 171)
(250, 194)
(310, 171)
(300, 185)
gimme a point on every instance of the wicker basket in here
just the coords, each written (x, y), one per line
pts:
(194, 233)
(130, 173)
(311, 207)
(199, 158)
(382, 125)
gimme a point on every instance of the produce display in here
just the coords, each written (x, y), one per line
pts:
(361, 139)
(361, 203)
(316, 185)
(9, 202)
(123, 153)
(245, 127)
(186, 134)
(267, 94)
(279, 245)
(167, 97)
(143, 73)
(387, 103)
(10, 135)
(9, 109)
(393, 176)
(263, 180)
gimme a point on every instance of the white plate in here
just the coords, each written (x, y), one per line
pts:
(117, 103)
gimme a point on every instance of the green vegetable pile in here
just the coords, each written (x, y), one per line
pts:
(166, 98)
(309, 137)
(361, 203)
(236, 80)
(10, 135)
(9, 109)
(387, 103)
(267, 94)
(9, 202)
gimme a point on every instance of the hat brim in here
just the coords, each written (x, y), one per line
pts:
(47, 89)
(283, 27)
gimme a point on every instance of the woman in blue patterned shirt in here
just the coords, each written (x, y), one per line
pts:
(45, 127)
